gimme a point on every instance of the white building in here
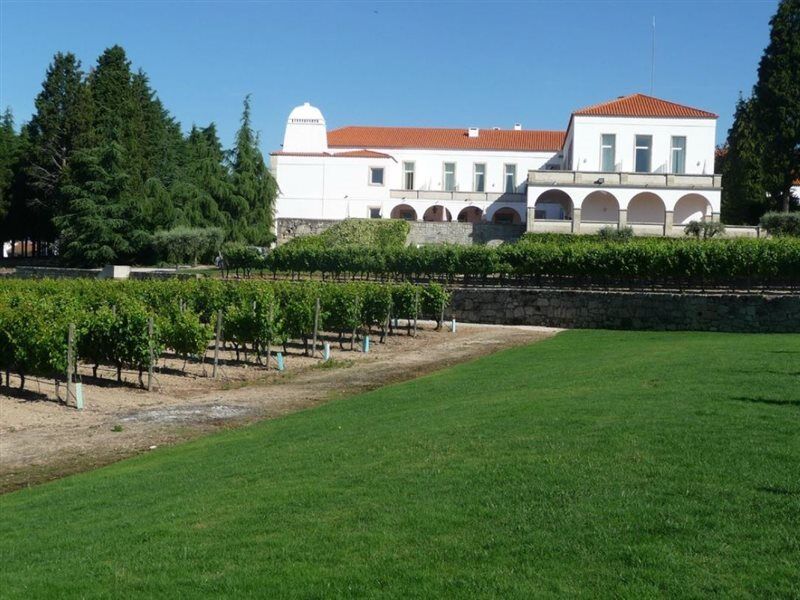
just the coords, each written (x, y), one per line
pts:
(635, 160)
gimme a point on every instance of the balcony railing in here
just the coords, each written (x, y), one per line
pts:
(639, 180)
(455, 196)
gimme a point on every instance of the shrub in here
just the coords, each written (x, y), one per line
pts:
(781, 224)
(187, 245)
(704, 229)
(609, 232)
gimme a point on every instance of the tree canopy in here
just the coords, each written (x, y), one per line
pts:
(102, 166)
(764, 142)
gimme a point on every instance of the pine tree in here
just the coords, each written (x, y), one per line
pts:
(59, 128)
(777, 95)
(253, 207)
(744, 197)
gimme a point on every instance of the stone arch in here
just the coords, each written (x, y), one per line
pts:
(470, 214)
(691, 207)
(507, 216)
(405, 212)
(646, 207)
(553, 204)
(437, 212)
(601, 207)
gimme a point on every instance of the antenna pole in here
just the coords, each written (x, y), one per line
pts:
(653, 58)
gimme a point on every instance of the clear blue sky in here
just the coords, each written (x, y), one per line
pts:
(396, 63)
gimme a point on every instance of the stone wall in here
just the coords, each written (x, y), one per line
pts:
(26, 272)
(421, 232)
(288, 229)
(629, 310)
(110, 272)
(432, 232)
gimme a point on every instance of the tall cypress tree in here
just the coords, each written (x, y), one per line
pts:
(206, 189)
(60, 127)
(9, 155)
(744, 197)
(160, 142)
(20, 223)
(777, 95)
(255, 188)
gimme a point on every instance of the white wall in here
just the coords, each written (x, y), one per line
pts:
(700, 142)
(429, 167)
(330, 187)
(327, 187)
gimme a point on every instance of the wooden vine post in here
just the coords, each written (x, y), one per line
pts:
(217, 340)
(316, 329)
(151, 349)
(416, 310)
(70, 361)
(271, 316)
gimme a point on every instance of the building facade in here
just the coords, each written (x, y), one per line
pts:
(636, 160)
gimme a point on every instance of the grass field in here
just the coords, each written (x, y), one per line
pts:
(592, 464)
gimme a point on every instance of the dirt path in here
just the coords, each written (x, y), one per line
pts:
(41, 439)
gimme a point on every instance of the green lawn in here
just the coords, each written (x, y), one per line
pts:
(592, 464)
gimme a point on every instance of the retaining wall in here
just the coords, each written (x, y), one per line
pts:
(421, 232)
(629, 310)
(465, 234)
(288, 229)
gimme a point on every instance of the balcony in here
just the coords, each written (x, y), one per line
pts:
(636, 180)
(466, 197)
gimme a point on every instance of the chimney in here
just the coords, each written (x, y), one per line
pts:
(473, 132)
(517, 126)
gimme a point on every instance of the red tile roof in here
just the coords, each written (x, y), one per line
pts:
(363, 154)
(639, 105)
(350, 154)
(526, 140)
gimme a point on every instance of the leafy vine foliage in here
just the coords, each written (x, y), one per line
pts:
(113, 319)
(665, 261)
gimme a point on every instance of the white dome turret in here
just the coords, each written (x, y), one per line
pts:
(305, 130)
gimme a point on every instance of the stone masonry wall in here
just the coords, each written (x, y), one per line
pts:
(629, 310)
(288, 229)
(422, 232)
(465, 234)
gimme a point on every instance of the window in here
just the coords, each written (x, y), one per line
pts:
(479, 180)
(644, 150)
(510, 179)
(608, 152)
(678, 154)
(408, 175)
(374, 212)
(376, 175)
(449, 177)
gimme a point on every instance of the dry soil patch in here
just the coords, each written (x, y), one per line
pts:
(41, 439)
